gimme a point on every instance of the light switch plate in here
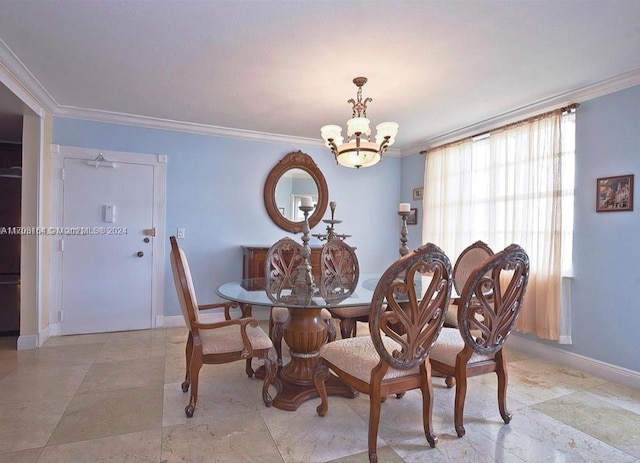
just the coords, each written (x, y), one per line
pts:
(181, 233)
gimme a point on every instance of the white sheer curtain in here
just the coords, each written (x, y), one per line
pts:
(512, 186)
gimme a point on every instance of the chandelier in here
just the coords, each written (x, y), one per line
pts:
(359, 150)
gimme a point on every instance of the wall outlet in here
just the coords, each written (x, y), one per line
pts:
(181, 233)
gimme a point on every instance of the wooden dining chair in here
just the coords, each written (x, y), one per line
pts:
(339, 269)
(466, 262)
(213, 343)
(385, 362)
(489, 305)
(281, 265)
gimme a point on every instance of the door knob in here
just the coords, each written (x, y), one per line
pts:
(140, 254)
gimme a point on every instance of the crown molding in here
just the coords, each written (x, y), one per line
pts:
(15, 75)
(589, 92)
(179, 126)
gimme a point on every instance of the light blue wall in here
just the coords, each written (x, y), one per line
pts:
(606, 253)
(215, 187)
(606, 304)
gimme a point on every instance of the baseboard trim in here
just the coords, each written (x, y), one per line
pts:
(579, 362)
(27, 342)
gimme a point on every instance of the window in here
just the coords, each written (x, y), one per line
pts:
(514, 185)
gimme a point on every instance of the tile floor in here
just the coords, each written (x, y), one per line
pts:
(116, 397)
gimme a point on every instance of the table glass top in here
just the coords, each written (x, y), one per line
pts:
(261, 292)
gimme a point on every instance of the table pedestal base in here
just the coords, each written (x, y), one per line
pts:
(291, 396)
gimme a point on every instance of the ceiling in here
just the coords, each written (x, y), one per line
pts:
(286, 67)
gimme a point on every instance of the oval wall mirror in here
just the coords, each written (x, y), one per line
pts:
(295, 176)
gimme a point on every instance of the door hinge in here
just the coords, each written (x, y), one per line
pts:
(61, 245)
(61, 315)
(62, 174)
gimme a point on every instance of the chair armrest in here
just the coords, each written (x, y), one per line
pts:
(227, 308)
(247, 352)
(234, 321)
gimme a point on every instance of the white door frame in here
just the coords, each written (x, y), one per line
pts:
(158, 162)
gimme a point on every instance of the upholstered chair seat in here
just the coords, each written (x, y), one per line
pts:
(226, 339)
(449, 345)
(358, 356)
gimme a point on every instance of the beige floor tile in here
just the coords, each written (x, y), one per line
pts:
(103, 414)
(135, 447)
(119, 349)
(221, 439)
(96, 338)
(400, 419)
(472, 448)
(106, 397)
(606, 422)
(536, 437)
(385, 454)
(303, 436)
(533, 381)
(22, 456)
(109, 376)
(220, 398)
(29, 424)
(618, 395)
(33, 384)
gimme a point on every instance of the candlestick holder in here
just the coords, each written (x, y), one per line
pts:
(404, 250)
(304, 285)
(330, 227)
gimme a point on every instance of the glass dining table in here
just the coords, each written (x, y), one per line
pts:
(304, 332)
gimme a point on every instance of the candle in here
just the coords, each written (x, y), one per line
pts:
(306, 201)
(404, 207)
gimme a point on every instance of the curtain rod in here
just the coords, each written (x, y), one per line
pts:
(562, 110)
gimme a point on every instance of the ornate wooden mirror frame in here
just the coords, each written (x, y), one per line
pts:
(295, 160)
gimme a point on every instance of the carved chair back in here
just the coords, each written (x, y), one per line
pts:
(399, 300)
(339, 270)
(184, 284)
(281, 264)
(467, 261)
(492, 298)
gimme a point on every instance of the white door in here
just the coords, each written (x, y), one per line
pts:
(107, 267)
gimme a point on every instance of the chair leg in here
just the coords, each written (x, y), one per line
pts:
(503, 380)
(427, 404)
(271, 368)
(277, 333)
(375, 400)
(320, 374)
(196, 364)
(450, 381)
(331, 330)
(347, 327)
(248, 368)
(458, 413)
(188, 354)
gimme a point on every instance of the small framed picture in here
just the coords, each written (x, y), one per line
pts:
(417, 194)
(614, 194)
(413, 216)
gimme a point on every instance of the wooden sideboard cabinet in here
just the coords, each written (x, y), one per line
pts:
(254, 257)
